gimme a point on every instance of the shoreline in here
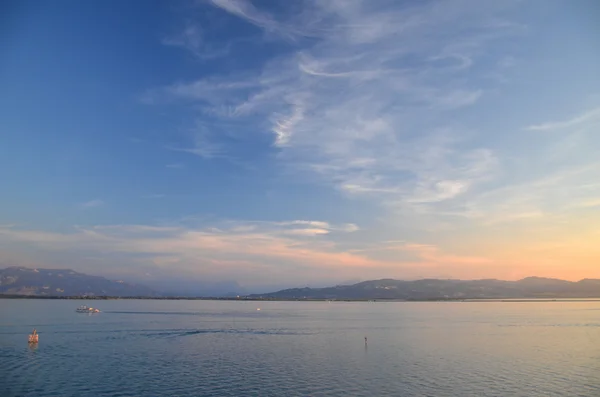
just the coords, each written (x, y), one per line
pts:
(257, 299)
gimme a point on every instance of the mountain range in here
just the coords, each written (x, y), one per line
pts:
(66, 282)
(531, 287)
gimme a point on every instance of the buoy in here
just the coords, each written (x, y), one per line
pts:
(33, 337)
(258, 309)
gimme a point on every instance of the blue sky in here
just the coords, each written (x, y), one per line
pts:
(301, 142)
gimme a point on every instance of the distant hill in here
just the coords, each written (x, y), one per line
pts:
(64, 282)
(531, 287)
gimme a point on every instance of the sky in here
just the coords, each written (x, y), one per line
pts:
(301, 143)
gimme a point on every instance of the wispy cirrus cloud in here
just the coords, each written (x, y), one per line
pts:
(240, 247)
(413, 119)
(251, 250)
(346, 227)
(291, 28)
(369, 107)
(546, 198)
(583, 118)
(247, 11)
(360, 106)
(201, 144)
(395, 104)
(191, 39)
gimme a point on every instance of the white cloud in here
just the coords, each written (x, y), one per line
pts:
(546, 198)
(319, 224)
(283, 126)
(242, 229)
(191, 39)
(372, 103)
(589, 116)
(307, 232)
(201, 144)
(276, 249)
(360, 106)
(290, 29)
(251, 252)
(350, 227)
(440, 191)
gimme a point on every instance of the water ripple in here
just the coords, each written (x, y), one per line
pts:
(412, 351)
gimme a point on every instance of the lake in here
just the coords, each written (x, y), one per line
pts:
(219, 348)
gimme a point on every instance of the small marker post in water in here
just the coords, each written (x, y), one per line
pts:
(365, 340)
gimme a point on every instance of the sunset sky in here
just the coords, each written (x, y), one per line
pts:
(301, 142)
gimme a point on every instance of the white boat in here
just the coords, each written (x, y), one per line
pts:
(86, 309)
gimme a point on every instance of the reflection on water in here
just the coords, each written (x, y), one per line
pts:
(203, 348)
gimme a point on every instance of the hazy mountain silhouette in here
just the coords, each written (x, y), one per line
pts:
(64, 282)
(530, 287)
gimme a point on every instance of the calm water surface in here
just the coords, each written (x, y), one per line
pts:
(203, 348)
